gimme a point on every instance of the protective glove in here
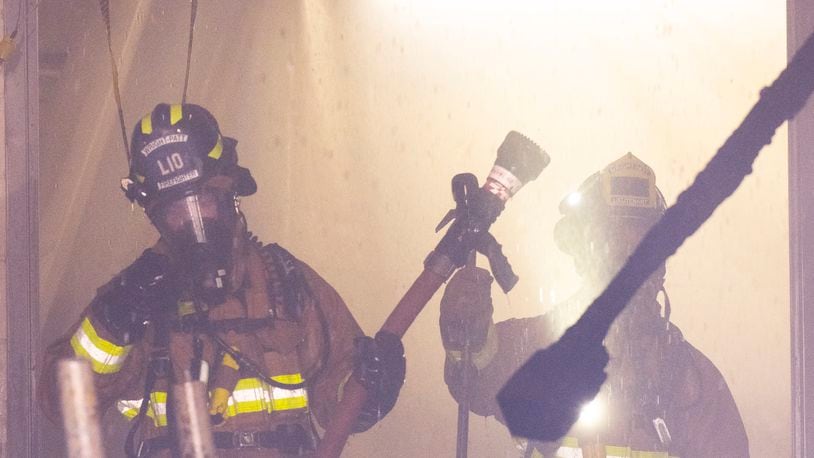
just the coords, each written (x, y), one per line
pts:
(379, 366)
(466, 309)
(142, 290)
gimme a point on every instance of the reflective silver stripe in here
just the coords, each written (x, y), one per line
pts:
(105, 357)
(96, 353)
(157, 410)
(159, 407)
(282, 393)
(261, 394)
(253, 395)
(128, 407)
(249, 395)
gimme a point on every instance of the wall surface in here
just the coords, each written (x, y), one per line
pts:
(353, 117)
(20, 256)
(3, 265)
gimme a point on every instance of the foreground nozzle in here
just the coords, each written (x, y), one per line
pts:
(519, 160)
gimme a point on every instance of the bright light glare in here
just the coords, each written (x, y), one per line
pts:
(574, 199)
(590, 413)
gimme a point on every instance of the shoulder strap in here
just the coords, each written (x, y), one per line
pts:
(291, 284)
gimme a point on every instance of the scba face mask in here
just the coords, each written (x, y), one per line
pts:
(199, 227)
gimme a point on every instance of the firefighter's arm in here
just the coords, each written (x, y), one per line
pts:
(112, 324)
(87, 340)
(117, 316)
(378, 363)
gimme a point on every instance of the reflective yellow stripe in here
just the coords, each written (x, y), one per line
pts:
(613, 451)
(105, 356)
(639, 454)
(253, 395)
(128, 407)
(248, 396)
(569, 441)
(102, 344)
(217, 149)
(147, 124)
(294, 402)
(284, 399)
(176, 113)
(158, 403)
(290, 379)
(230, 362)
(186, 308)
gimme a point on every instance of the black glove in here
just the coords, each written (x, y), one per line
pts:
(143, 289)
(466, 309)
(379, 366)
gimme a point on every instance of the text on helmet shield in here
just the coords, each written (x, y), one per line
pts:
(158, 142)
(173, 163)
(174, 181)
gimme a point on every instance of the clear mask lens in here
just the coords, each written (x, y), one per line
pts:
(199, 218)
(199, 228)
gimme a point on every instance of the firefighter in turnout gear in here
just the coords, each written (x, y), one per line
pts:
(663, 398)
(274, 342)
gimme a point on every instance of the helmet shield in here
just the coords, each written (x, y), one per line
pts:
(606, 218)
(628, 188)
(170, 164)
(199, 227)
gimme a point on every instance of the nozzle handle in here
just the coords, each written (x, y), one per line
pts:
(498, 263)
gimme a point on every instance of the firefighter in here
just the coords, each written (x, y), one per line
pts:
(274, 342)
(662, 398)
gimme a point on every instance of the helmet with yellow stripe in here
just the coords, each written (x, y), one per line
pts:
(174, 148)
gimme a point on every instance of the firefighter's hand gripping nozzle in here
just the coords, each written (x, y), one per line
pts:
(519, 160)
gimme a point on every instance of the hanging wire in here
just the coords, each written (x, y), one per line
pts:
(104, 5)
(17, 22)
(193, 13)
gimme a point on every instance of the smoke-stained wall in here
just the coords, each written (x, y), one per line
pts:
(353, 118)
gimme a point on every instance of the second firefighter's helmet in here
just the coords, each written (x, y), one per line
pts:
(174, 148)
(624, 191)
